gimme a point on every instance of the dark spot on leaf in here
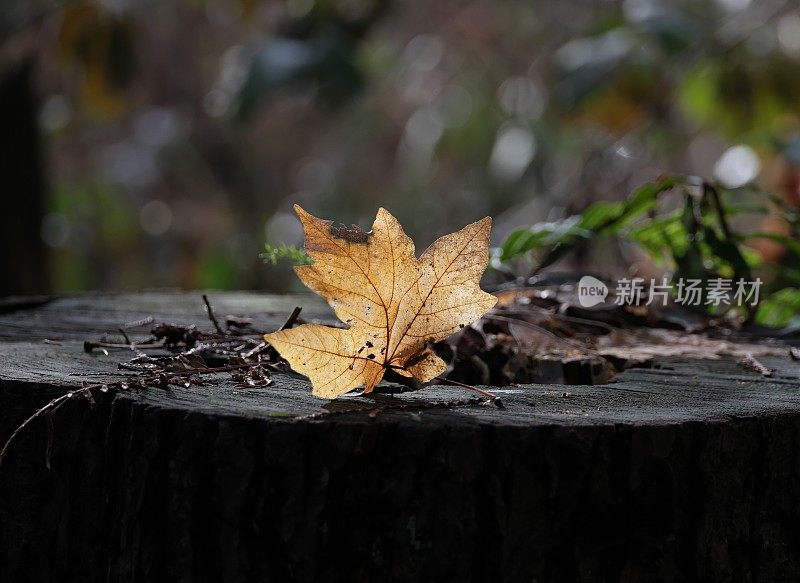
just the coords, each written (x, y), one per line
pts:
(383, 350)
(352, 234)
(370, 356)
(369, 344)
(461, 325)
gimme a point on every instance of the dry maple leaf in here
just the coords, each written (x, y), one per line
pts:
(394, 303)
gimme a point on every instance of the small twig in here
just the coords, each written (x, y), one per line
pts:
(198, 370)
(49, 409)
(89, 345)
(125, 336)
(494, 399)
(261, 347)
(292, 318)
(51, 432)
(99, 374)
(224, 368)
(139, 323)
(750, 362)
(211, 315)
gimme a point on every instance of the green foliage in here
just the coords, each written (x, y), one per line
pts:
(274, 253)
(780, 309)
(600, 218)
(695, 241)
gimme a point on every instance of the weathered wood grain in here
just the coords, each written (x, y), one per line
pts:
(686, 471)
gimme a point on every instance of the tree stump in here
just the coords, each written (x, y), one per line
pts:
(686, 471)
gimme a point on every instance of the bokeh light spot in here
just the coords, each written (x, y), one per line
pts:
(789, 34)
(513, 150)
(55, 229)
(737, 166)
(734, 5)
(520, 96)
(55, 114)
(284, 227)
(156, 217)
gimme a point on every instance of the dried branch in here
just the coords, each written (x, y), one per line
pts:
(750, 362)
(211, 315)
(290, 321)
(493, 399)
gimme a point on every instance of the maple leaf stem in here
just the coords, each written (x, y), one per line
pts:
(495, 400)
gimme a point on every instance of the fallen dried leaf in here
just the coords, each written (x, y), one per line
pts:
(394, 303)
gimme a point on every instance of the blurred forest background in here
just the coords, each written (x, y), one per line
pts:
(161, 143)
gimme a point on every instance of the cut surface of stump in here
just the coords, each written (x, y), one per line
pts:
(688, 470)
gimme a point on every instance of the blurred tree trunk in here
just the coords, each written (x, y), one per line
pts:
(22, 261)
